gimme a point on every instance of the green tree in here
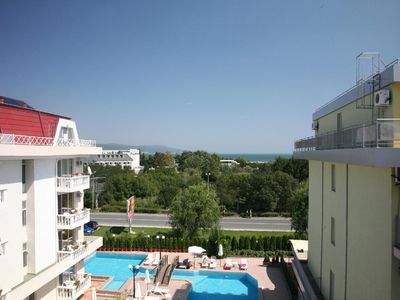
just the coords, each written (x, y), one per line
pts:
(193, 209)
(297, 168)
(299, 212)
(162, 159)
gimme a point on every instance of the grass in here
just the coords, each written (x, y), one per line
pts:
(121, 231)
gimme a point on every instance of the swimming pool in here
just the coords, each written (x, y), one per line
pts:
(219, 285)
(113, 264)
(205, 284)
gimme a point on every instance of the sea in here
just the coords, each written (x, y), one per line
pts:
(255, 157)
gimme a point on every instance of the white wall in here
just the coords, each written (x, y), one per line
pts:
(11, 270)
(42, 233)
(48, 291)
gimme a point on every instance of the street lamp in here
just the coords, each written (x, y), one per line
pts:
(208, 181)
(134, 270)
(159, 238)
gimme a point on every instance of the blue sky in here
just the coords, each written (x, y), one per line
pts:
(223, 76)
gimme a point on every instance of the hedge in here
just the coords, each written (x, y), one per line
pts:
(246, 245)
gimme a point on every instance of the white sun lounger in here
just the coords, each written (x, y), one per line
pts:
(213, 263)
(156, 261)
(149, 260)
(164, 292)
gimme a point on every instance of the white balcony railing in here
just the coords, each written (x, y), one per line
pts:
(70, 184)
(382, 133)
(74, 285)
(73, 250)
(73, 219)
(15, 139)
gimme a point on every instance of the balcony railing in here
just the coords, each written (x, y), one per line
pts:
(70, 184)
(382, 133)
(72, 249)
(73, 219)
(74, 285)
(15, 139)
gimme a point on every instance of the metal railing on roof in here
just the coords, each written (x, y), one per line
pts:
(15, 139)
(382, 133)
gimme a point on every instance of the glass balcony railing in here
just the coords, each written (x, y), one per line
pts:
(382, 133)
(73, 218)
(73, 286)
(71, 184)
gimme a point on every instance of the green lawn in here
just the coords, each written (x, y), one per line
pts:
(121, 231)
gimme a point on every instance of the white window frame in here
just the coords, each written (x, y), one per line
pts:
(3, 248)
(3, 197)
(25, 254)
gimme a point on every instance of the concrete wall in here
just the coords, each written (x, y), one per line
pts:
(351, 115)
(315, 218)
(333, 255)
(372, 206)
(41, 211)
(370, 233)
(48, 291)
(11, 270)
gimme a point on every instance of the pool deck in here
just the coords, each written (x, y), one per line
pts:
(271, 281)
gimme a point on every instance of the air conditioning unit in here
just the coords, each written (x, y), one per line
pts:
(382, 98)
(315, 125)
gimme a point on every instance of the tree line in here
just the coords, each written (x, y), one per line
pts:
(168, 181)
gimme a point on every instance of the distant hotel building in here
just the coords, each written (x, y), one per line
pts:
(353, 247)
(123, 158)
(42, 245)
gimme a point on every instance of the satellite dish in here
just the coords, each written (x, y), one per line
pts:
(89, 170)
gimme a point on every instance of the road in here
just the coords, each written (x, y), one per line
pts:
(227, 223)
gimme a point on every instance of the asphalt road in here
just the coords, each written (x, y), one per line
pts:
(227, 223)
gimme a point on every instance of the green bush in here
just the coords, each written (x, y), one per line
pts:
(234, 244)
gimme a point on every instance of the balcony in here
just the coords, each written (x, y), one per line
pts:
(71, 184)
(72, 219)
(15, 139)
(73, 286)
(396, 246)
(77, 251)
(384, 133)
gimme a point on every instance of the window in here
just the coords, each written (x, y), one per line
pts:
(333, 231)
(23, 179)
(3, 249)
(23, 213)
(331, 285)
(333, 178)
(2, 197)
(25, 254)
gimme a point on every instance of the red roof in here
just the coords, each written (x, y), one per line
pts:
(17, 117)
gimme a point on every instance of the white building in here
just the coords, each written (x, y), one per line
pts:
(123, 158)
(42, 245)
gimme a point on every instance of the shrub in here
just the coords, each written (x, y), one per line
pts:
(234, 244)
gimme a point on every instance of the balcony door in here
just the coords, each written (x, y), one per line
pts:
(64, 167)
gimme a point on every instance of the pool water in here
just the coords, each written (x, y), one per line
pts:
(219, 285)
(205, 284)
(112, 264)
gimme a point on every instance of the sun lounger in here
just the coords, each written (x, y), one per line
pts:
(185, 264)
(149, 260)
(213, 263)
(156, 261)
(243, 264)
(139, 296)
(204, 262)
(228, 264)
(164, 292)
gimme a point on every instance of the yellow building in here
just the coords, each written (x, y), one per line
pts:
(353, 247)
